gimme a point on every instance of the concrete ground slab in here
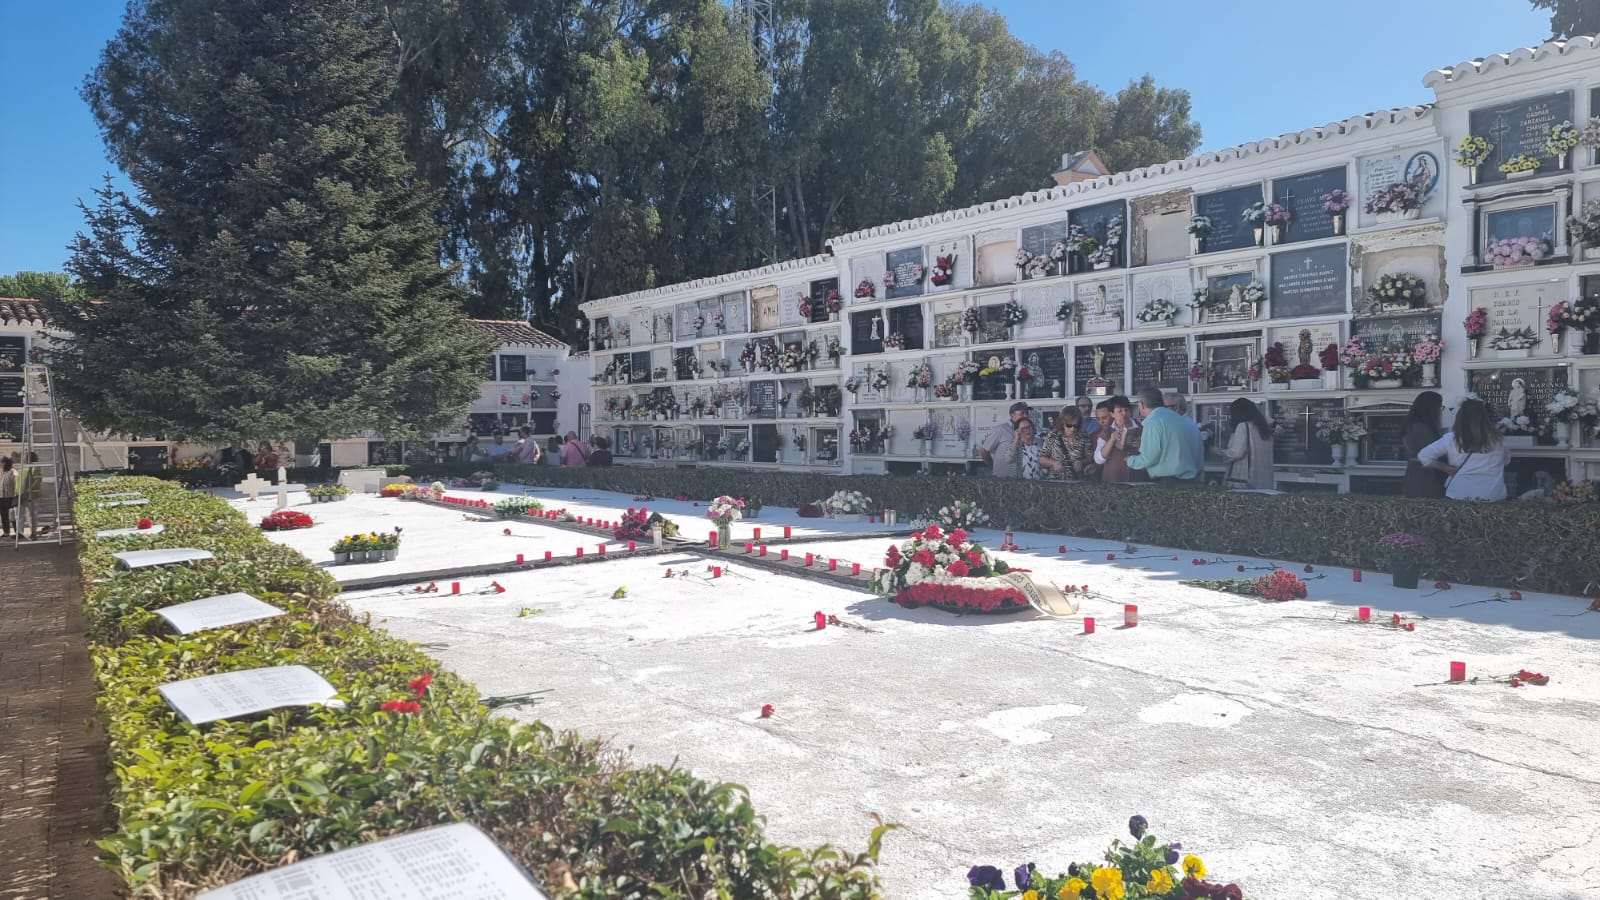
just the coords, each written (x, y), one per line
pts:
(1295, 752)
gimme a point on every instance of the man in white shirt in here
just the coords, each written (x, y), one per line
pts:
(996, 447)
(499, 448)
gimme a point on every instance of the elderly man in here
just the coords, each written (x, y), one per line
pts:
(1171, 450)
(996, 447)
(573, 452)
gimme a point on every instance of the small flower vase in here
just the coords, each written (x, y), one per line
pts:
(1277, 234)
(1430, 375)
(341, 558)
(1338, 224)
(1352, 453)
(1561, 160)
(1562, 432)
(833, 317)
(724, 537)
(1555, 342)
(1330, 379)
(1473, 345)
(1011, 388)
(1259, 233)
(964, 390)
(1405, 575)
(1198, 244)
(1338, 453)
(1472, 174)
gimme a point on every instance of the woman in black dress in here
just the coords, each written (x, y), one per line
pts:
(1422, 429)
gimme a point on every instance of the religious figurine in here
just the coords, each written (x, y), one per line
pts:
(1305, 347)
(1236, 299)
(1099, 360)
(875, 320)
(1517, 400)
(1100, 299)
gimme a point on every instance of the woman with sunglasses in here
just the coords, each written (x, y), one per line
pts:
(1067, 451)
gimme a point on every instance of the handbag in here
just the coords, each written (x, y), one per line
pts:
(1453, 475)
(1249, 448)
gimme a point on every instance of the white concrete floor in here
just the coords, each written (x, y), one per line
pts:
(1297, 756)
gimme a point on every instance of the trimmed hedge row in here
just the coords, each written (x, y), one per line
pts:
(1536, 546)
(202, 806)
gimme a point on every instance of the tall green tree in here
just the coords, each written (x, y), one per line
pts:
(1146, 125)
(1571, 18)
(275, 273)
(40, 286)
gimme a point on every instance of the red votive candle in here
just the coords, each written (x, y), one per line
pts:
(763, 549)
(786, 531)
(758, 534)
(749, 547)
(711, 540)
(580, 551)
(1458, 671)
(548, 556)
(1356, 576)
(1130, 615)
(855, 568)
(1364, 614)
(810, 558)
(821, 619)
(783, 554)
(1396, 619)
(455, 587)
(833, 565)
(632, 546)
(716, 571)
(519, 559)
(1088, 625)
(602, 549)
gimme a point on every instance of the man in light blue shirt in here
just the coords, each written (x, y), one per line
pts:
(1171, 449)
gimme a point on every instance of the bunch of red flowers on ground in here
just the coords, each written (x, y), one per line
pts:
(1281, 585)
(419, 687)
(286, 520)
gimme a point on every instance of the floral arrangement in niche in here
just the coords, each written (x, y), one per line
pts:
(1276, 214)
(1143, 870)
(1473, 151)
(1384, 363)
(971, 320)
(1067, 310)
(944, 270)
(805, 308)
(719, 321)
(1396, 197)
(1582, 314)
(1584, 226)
(1553, 319)
(1567, 407)
(1514, 339)
(866, 290)
(1335, 202)
(1276, 360)
(1520, 163)
(1106, 253)
(1329, 357)
(1427, 349)
(853, 384)
(1255, 292)
(1197, 371)
(1158, 310)
(1561, 138)
(1477, 322)
(1398, 290)
(832, 301)
(880, 379)
(894, 340)
(1200, 226)
(698, 322)
(1023, 258)
(1517, 251)
(1012, 313)
(1515, 425)
(921, 376)
(1254, 214)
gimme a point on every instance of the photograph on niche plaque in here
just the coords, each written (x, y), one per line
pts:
(1227, 297)
(947, 329)
(1227, 365)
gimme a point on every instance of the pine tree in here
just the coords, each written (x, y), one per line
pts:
(276, 272)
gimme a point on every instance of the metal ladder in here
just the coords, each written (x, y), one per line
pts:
(52, 506)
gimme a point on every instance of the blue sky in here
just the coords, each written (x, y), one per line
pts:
(1256, 68)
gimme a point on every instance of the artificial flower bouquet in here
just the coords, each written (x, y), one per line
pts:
(1159, 310)
(1398, 290)
(1012, 313)
(725, 510)
(1513, 339)
(1396, 197)
(286, 520)
(1582, 314)
(1146, 869)
(1477, 322)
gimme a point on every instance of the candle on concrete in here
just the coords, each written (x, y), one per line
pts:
(455, 587)
(783, 555)
(519, 559)
(855, 568)
(833, 565)
(580, 551)
(1458, 671)
(1088, 625)
(1364, 614)
(1130, 615)
(716, 571)
(632, 546)
(712, 539)
(763, 549)
(786, 532)
(810, 558)
(1356, 576)
(758, 534)
(548, 555)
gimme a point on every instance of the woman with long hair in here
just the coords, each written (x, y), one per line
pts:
(1471, 455)
(1068, 451)
(1025, 451)
(1249, 449)
(1423, 427)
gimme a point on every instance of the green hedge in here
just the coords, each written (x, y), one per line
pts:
(201, 806)
(1536, 546)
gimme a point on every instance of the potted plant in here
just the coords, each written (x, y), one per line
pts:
(1517, 251)
(1560, 140)
(1200, 228)
(1254, 216)
(1397, 292)
(1159, 310)
(341, 549)
(1471, 153)
(1406, 555)
(1514, 343)
(1335, 203)
(1396, 201)
(1277, 218)
(1583, 315)
(1425, 352)
(1329, 357)
(1520, 166)
(1276, 360)
(1477, 325)
(1584, 228)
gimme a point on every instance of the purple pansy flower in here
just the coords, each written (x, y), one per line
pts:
(1172, 853)
(1024, 876)
(1137, 826)
(987, 877)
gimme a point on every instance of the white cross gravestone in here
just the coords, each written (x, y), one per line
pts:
(126, 532)
(254, 487)
(144, 559)
(217, 612)
(456, 861)
(228, 695)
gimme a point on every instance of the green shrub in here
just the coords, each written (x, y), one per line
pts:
(201, 806)
(1535, 546)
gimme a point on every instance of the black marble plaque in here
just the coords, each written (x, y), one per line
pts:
(1302, 196)
(990, 387)
(513, 368)
(1111, 368)
(1309, 282)
(1385, 440)
(908, 321)
(153, 457)
(1398, 331)
(1520, 127)
(543, 422)
(861, 328)
(1163, 363)
(764, 396)
(1228, 231)
(1096, 221)
(992, 326)
(11, 390)
(1589, 286)
(11, 427)
(639, 368)
(484, 424)
(764, 443)
(1038, 240)
(1294, 439)
(1047, 365)
(683, 362)
(906, 265)
(819, 298)
(1538, 386)
(1216, 423)
(13, 352)
(1525, 222)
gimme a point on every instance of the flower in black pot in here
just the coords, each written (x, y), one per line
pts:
(1406, 554)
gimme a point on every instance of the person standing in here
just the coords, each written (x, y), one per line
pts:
(1471, 454)
(1423, 427)
(528, 452)
(1115, 442)
(996, 446)
(600, 455)
(1067, 451)
(1024, 451)
(573, 452)
(30, 484)
(1170, 450)
(1086, 420)
(1249, 449)
(8, 495)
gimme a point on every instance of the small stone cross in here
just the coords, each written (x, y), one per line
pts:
(1307, 414)
(251, 486)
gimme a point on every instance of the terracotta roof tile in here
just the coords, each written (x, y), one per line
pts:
(512, 331)
(15, 311)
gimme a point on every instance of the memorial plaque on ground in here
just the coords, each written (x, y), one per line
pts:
(1038, 240)
(1519, 127)
(909, 274)
(1309, 282)
(229, 695)
(1048, 368)
(144, 559)
(1396, 331)
(1107, 223)
(1520, 391)
(456, 861)
(1223, 208)
(1102, 305)
(1103, 361)
(217, 612)
(1302, 196)
(1162, 363)
(1294, 440)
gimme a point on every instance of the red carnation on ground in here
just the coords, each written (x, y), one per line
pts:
(1516, 595)
(767, 710)
(419, 685)
(146, 524)
(1441, 585)
(1110, 556)
(402, 706)
(957, 568)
